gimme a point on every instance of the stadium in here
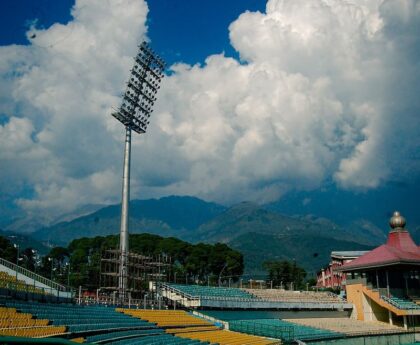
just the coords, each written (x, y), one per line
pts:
(144, 289)
(35, 309)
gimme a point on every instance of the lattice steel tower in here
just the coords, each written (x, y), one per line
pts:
(134, 114)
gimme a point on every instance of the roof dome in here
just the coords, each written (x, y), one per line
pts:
(397, 221)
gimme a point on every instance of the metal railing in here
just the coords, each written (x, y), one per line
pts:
(34, 276)
(403, 305)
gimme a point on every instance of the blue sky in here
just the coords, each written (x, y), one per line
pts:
(193, 30)
(290, 100)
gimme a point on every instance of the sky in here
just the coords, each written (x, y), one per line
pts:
(261, 100)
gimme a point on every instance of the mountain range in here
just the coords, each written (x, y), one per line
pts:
(260, 232)
(170, 216)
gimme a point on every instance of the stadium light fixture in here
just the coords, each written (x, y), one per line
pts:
(134, 113)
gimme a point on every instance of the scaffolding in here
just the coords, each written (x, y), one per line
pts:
(141, 270)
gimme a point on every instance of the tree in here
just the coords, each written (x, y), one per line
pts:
(28, 256)
(7, 250)
(285, 272)
(197, 261)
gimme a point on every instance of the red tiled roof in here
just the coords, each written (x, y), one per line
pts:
(400, 248)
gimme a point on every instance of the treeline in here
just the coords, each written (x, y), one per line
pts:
(80, 262)
(287, 274)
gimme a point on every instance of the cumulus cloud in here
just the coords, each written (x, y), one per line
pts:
(59, 140)
(325, 90)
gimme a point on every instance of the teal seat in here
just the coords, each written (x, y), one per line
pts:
(280, 329)
(79, 319)
(212, 292)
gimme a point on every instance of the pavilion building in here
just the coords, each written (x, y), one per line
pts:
(383, 284)
(331, 276)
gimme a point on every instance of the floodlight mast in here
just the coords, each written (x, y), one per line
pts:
(134, 114)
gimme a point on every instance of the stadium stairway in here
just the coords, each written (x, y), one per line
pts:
(401, 303)
(405, 308)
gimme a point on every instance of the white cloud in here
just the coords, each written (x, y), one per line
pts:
(314, 98)
(60, 135)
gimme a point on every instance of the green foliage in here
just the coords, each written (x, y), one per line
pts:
(27, 255)
(28, 258)
(196, 262)
(311, 282)
(7, 251)
(282, 273)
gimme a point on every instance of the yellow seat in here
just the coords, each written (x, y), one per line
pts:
(184, 325)
(223, 337)
(14, 323)
(166, 318)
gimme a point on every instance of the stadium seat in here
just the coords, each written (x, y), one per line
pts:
(401, 303)
(211, 292)
(78, 319)
(281, 329)
(166, 318)
(14, 323)
(280, 295)
(10, 282)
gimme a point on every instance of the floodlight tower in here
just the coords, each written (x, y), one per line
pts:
(134, 114)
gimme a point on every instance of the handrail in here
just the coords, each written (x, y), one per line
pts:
(409, 305)
(33, 275)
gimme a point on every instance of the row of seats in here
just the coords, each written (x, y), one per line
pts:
(226, 315)
(191, 329)
(10, 282)
(8, 323)
(80, 318)
(7, 313)
(401, 303)
(281, 329)
(34, 332)
(281, 295)
(13, 323)
(100, 327)
(164, 339)
(124, 334)
(185, 325)
(223, 337)
(166, 318)
(348, 326)
(212, 292)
